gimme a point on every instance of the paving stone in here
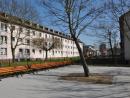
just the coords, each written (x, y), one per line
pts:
(45, 84)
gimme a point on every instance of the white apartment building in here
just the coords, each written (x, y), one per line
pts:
(33, 30)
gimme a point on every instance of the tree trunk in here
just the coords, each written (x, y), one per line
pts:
(46, 55)
(111, 48)
(11, 43)
(83, 61)
(12, 49)
(13, 54)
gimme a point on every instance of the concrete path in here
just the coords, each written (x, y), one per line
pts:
(45, 84)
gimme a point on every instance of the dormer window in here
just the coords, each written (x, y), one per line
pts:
(46, 29)
(41, 27)
(51, 30)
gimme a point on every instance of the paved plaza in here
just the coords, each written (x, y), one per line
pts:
(45, 84)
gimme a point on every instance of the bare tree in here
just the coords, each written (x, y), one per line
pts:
(106, 33)
(108, 27)
(115, 10)
(117, 13)
(47, 44)
(14, 9)
(20, 8)
(18, 37)
(75, 16)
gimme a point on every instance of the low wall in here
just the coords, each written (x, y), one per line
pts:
(105, 61)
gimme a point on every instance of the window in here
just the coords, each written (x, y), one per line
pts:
(46, 36)
(56, 31)
(3, 39)
(46, 29)
(45, 43)
(40, 51)
(33, 50)
(40, 34)
(33, 32)
(13, 38)
(20, 50)
(3, 51)
(27, 41)
(20, 29)
(53, 52)
(51, 30)
(13, 27)
(28, 32)
(49, 44)
(20, 40)
(62, 52)
(27, 51)
(3, 27)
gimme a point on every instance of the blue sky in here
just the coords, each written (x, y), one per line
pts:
(89, 40)
(45, 21)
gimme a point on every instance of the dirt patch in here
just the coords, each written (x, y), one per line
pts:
(93, 78)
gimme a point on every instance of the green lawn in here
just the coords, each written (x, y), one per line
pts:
(25, 62)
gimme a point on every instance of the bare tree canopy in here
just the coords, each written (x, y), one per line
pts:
(75, 16)
(47, 44)
(82, 13)
(114, 10)
(20, 8)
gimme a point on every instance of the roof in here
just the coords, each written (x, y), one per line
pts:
(29, 24)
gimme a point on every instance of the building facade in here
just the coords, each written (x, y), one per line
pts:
(125, 35)
(23, 32)
(90, 51)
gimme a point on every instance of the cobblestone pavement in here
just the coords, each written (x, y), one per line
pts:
(45, 84)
